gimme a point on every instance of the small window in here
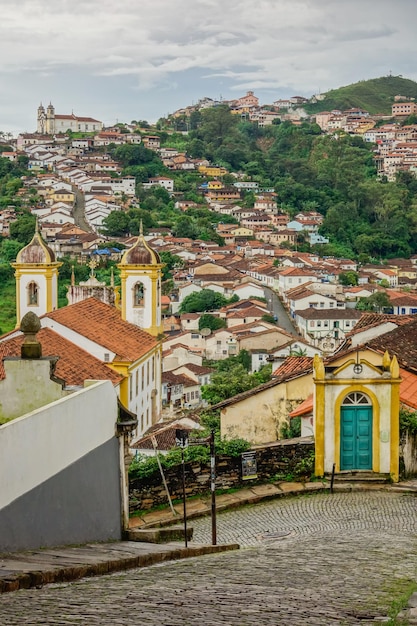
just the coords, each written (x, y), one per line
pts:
(106, 357)
(33, 299)
(195, 335)
(138, 294)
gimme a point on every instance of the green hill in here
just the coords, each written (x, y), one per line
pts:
(375, 95)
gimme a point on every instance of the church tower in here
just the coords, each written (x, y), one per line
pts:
(36, 273)
(50, 119)
(41, 120)
(141, 276)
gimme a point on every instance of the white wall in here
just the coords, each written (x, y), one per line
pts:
(43, 443)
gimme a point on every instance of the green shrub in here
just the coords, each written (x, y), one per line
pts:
(147, 466)
(291, 429)
(408, 421)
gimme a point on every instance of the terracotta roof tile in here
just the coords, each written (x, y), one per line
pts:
(293, 365)
(102, 324)
(401, 342)
(408, 389)
(74, 365)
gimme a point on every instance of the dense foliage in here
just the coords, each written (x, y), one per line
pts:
(147, 466)
(205, 300)
(226, 383)
(375, 95)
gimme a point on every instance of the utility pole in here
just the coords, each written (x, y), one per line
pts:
(213, 489)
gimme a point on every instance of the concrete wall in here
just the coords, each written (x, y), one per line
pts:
(60, 473)
(27, 386)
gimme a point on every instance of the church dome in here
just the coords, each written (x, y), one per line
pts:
(140, 254)
(36, 252)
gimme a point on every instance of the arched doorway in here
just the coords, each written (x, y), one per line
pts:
(356, 432)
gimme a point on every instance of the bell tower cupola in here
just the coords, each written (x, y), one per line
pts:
(36, 273)
(141, 276)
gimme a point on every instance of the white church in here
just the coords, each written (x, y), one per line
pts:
(51, 123)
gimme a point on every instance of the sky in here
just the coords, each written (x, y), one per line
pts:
(142, 59)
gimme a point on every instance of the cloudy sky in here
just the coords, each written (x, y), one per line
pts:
(118, 60)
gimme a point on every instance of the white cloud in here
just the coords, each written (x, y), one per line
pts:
(299, 45)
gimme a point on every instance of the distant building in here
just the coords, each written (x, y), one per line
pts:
(50, 123)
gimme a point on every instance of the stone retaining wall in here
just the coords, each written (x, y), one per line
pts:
(291, 457)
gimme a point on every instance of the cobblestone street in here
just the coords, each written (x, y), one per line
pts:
(312, 560)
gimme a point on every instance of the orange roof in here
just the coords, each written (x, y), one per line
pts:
(294, 364)
(101, 323)
(74, 365)
(408, 388)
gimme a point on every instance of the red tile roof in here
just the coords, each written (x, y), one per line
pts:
(293, 365)
(74, 365)
(408, 389)
(102, 324)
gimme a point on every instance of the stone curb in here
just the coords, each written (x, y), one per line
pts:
(91, 566)
(281, 490)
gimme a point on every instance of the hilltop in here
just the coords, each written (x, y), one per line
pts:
(375, 95)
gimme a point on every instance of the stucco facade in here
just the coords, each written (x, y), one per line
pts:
(259, 417)
(375, 385)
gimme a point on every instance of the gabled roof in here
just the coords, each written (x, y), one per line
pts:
(74, 365)
(164, 434)
(102, 324)
(401, 342)
(305, 367)
(374, 319)
(293, 365)
(329, 314)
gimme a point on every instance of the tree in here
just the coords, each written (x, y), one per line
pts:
(349, 278)
(23, 228)
(377, 302)
(116, 224)
(211, 321)
(227, 384)
(204, 300)
(9, 249)
(233, 379)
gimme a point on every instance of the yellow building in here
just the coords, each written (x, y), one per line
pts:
(212, 170)
(356, 414)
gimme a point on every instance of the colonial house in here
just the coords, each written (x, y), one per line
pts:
(326, 328)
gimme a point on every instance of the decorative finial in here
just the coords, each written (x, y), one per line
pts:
(92, 265)
(30, 326)
(37, 225)
(72, 277)
(141, 228)
(111, 277)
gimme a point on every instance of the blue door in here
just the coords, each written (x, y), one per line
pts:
(356, 438)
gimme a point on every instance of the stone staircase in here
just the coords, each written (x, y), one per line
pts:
(363, 477)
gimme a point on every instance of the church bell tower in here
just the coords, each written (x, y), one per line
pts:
(141, 277)
(36, 273)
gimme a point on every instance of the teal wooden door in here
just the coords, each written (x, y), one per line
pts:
(356, 438)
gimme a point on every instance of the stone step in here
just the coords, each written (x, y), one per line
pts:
(361, 477)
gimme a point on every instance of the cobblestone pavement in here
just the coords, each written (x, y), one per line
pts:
(318, 560)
